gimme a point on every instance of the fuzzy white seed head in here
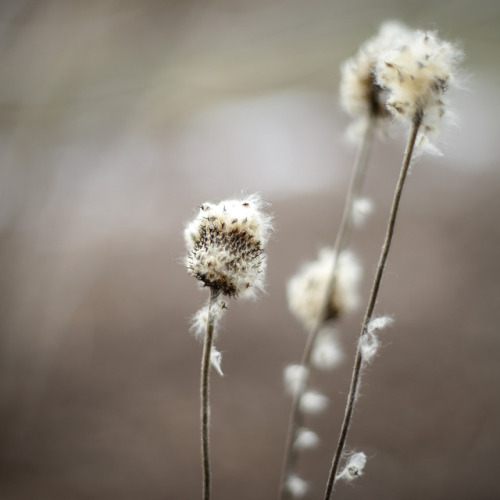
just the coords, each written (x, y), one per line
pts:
(327, 353)
(313, 402)
(361, 210)
(225, 244)
(354, 467)
(417, 75)
(369, 343)
(296, 486)
(307, 289)
(216, 360)
(361, 96)
(294, 377)
(306, 439)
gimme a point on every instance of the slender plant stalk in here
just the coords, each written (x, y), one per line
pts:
(351, 398)
(204, 394)
(354, 188)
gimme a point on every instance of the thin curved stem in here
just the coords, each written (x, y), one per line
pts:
(351, 398)
(353, 190)
(204, 395)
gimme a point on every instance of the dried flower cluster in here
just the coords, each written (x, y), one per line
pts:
(225, 245)
(307, 289)
(417, 75)
(360, 93)
(400, 73)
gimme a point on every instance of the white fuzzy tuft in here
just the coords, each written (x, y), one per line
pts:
(369, 342)
(306, 439)
(216, 360)
(307, 289)
(225, 244)
(327, 353)
(354, 467)
(296, 486)
(361, 210)
(313, 402)
(379, 323)
(417, 75)
(294, 377)
(199, 321)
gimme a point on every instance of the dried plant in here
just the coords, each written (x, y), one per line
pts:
(225, 244)
(400, 74)
(416, 76)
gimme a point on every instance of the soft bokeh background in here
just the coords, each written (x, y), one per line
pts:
(117, 119)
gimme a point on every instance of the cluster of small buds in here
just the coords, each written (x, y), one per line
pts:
(354, 467)
(225, 245)
(360, 93)
(369, 342)
(416, 76)
(307, 289)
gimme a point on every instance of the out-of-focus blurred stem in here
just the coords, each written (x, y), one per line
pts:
(341, 240)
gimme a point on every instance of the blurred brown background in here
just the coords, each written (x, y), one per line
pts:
(118, 118)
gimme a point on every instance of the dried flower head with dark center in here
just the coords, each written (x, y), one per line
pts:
(361, 94)
(225, 245)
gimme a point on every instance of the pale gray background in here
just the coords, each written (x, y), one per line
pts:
(117, 119)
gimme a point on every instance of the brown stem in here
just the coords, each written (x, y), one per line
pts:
(204, 394)
(351, 398)
(296, 417)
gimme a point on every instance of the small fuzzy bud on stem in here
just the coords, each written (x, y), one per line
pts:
(327, 353)
(296, 486)
(313, 402)
(306, 439)
(294, 377)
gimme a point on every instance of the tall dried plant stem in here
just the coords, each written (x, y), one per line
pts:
(351, 398)
(204, 395)
(354, 188)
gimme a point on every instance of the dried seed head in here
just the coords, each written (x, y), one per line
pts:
(361, 95)
(307, 289)
(225, 244)
(417, 76)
